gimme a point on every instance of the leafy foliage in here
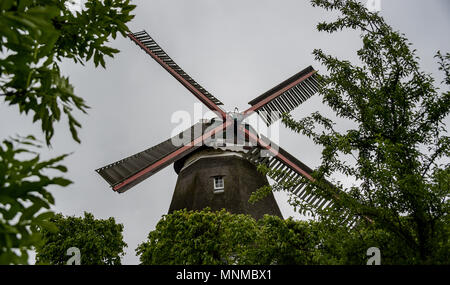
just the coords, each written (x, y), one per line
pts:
(23, 195)
(399, 145)
(191, 237)
(205, 237)
(285, 242)
(100, 241)
(36, 35)
(220, 238)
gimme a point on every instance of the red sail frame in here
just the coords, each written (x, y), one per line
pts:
(172, 156)
(205, 100)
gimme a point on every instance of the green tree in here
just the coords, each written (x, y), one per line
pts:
(342, 245)
(198, 237)
(285, 242)
(23, 195)
(398, 147)
(36, 35)
(100, 241)
(205, 237)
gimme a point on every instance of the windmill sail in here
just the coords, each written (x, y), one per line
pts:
(149, 45)
(287, 170)
(126, 173)
(286, 96)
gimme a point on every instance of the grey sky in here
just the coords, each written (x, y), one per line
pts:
(236, 49)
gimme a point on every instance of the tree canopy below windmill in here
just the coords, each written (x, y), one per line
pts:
(221, 238)
(100, 242)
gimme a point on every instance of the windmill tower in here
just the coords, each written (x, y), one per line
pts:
(216, 160)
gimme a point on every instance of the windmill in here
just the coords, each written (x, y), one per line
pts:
(216, 159)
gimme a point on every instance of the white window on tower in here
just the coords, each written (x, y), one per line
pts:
(219, 185)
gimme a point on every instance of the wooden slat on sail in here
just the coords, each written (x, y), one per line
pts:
(286, 96)
(119, 171)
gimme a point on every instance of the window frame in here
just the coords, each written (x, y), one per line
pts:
(218, 189)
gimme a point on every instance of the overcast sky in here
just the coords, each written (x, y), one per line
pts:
(236, 49)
